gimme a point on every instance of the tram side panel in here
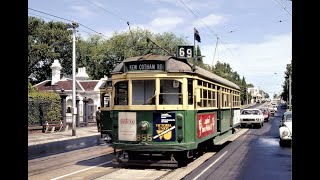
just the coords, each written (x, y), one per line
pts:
(206, 126)
(235, 117)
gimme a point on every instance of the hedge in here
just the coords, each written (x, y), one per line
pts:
(42, 107)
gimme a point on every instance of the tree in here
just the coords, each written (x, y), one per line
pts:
(47, 41)
(102, 55)
(199, 58)
(285, 85)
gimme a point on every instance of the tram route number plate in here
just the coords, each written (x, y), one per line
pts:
(185, 51)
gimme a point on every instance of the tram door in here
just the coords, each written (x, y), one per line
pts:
(219, 110)
(106, 117)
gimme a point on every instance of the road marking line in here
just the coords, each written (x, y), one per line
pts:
(210, 165)
(80, 171)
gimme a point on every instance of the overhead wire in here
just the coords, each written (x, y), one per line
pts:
(284, 8)
(128, 23)
(107, 10)
(207, 27)
(67, 20)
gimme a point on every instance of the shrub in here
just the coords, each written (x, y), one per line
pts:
(42, 107)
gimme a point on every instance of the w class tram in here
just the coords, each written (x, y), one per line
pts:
(161, 110)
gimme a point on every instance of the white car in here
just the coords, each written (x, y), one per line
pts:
(285, 128)
(251, 117)
(273, 109)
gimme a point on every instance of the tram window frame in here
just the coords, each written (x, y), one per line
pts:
(207, 88)
(190, 91)
(149, 97)
(166, 97)
(124, 90)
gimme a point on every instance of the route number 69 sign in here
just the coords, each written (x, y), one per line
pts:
(185, 51)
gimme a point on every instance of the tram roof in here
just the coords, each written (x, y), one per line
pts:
(173, 64)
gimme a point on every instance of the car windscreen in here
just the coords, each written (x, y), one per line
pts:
(288, 118)
(254, 112)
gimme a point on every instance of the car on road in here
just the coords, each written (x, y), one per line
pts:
(273, 109)
(251, 116)
(285, 128)
(266, 114)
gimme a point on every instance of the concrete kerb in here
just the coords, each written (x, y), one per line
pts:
(56, 147)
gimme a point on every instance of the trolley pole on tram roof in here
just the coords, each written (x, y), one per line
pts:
(74, 25)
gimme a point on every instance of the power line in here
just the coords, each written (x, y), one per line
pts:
(106, 10)
(123, 19)
(206, 26)
(40, 16)
(50, 14)
(284, 8)
(67, 20)
(54, 20)
(128, 23)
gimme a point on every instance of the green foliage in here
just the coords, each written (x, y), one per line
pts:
(48, 41)
(100, 56)
(31, 88)
(285, 85)
(42, 107)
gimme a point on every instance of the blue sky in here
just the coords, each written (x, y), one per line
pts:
(255, 35)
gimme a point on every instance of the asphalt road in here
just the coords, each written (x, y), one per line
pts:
(256, 155)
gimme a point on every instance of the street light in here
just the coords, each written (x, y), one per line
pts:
(74, 25)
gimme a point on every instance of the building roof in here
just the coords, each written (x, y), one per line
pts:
(88, 85)
(84, 85)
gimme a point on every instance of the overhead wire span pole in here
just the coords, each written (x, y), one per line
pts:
(215, 50)
(74, 25)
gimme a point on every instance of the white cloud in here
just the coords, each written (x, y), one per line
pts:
(257, 62)
(166, 23)
(82, 11)
(210, 20)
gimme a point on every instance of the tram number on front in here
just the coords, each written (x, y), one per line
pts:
(185, 51)
(144, 137)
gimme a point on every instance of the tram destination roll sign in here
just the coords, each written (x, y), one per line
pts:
(145, 66)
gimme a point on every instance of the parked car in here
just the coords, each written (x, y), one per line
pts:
(266, 114)
(285, 128)
(251, 117)
(271, 110)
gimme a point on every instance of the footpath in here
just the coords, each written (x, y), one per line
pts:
(44, 144)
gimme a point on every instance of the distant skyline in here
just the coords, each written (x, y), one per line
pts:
(255, 36)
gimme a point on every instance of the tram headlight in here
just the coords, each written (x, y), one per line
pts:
(144, 126)
(179, 117)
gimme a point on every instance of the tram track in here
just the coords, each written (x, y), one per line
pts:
(49, 163)
(95, 163)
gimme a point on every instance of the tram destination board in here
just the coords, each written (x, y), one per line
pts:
(185, 51)
(145, 66)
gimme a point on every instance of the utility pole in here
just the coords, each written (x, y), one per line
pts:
(290, 90)
(215, 49)
(74, 25)
(247, 97)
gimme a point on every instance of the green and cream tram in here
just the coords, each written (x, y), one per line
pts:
(162, 106)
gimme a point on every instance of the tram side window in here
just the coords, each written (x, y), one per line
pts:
(143, 92)
(170, 92)
(190, 91)
(121, 96)
(101, 99)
